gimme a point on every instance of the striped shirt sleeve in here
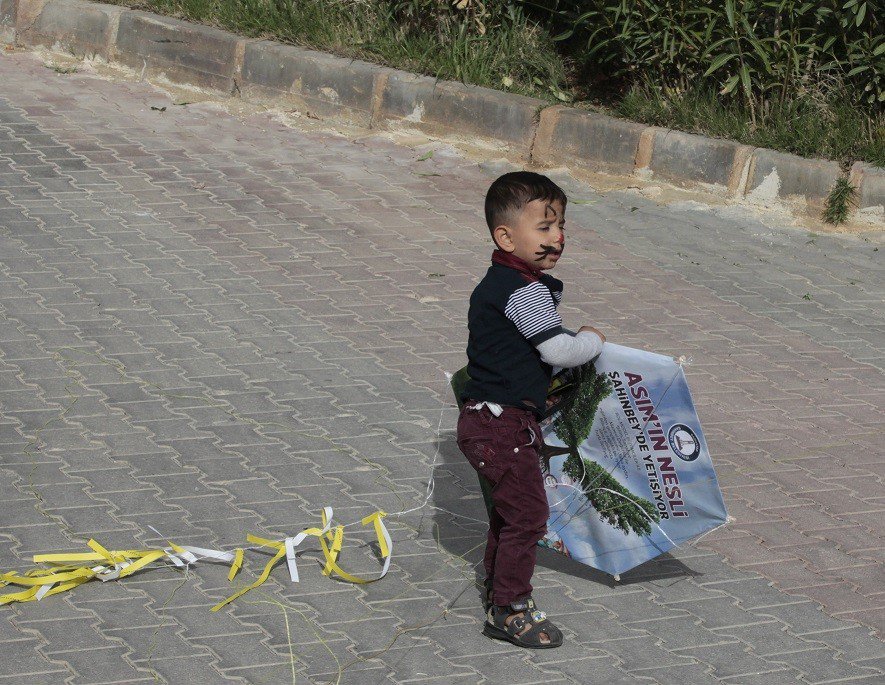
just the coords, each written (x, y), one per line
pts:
(533, 310)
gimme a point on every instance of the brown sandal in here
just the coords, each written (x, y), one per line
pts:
(523, 630)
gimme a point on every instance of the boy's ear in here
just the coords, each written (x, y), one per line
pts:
(503, 239)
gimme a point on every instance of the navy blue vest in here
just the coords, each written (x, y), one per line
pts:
(512, 310)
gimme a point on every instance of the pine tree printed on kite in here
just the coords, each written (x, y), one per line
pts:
(574, 397)
(622, 512)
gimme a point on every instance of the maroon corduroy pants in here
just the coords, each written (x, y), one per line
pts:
(504, 449)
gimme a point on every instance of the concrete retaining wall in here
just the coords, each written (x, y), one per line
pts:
(83, 29)
(322, 84)
(685, 158)
(791, 177)
(871, 182)
(7, 22)
(593, 141)
(447, 108)
(183, 52)
(374, 96)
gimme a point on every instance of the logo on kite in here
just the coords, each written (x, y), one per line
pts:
(684, 442)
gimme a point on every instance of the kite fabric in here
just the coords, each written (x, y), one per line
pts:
(627, 471)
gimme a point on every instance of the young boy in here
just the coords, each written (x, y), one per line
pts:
(516, 337)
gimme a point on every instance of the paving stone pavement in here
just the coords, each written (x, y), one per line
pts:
(214, 325)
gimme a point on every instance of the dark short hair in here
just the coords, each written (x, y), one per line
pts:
(511, 192)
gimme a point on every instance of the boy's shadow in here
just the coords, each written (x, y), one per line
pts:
(462, 524)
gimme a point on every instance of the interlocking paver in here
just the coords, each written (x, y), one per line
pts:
(215, 325)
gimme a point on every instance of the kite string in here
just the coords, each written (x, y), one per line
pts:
(431, 482)
(430, 487)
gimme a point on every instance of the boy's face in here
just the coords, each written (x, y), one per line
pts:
(536, 234)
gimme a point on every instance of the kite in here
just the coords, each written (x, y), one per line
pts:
(627, 471)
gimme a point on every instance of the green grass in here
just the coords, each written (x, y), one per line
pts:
(809, 127)
(509, 51)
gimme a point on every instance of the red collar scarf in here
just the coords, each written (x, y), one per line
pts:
(507, 259)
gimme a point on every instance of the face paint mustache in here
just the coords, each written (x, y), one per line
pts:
(547, 250)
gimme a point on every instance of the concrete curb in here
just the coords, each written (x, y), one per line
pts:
(870, 180)
(378, 97)
(592, 141)
(7, 22)
(75, 27)
(790, 177)
(685, 158)
(181, 51)
(321, 84)
(447, 108)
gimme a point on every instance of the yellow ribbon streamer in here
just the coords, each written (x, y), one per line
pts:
(281, 552)
(379, 531)
(26, 580)
(331, 543)
(236, 565)
(70, 569)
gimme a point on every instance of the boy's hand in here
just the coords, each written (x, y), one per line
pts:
(590, 329)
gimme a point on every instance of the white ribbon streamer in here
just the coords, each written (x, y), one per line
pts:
(293, 542)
